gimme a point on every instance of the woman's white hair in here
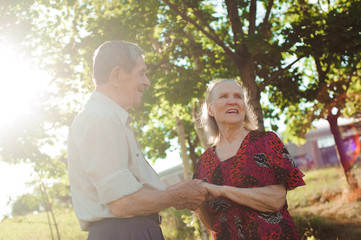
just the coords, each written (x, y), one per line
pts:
(209, 124)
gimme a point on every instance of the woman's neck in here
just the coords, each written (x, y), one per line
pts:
(230, 134)
(229, 142)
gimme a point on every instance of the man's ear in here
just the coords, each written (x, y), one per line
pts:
(116, 76)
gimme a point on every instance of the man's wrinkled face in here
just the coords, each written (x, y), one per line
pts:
(134, 84)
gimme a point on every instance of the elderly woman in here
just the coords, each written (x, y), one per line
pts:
(248, 172)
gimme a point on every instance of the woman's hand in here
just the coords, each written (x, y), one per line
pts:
(214, 191)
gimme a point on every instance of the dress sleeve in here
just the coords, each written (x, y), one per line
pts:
(285, 167)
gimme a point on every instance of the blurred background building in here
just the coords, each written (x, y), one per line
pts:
(319, 151)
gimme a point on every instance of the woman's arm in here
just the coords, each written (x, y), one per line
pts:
(205, 216)
(265, 199)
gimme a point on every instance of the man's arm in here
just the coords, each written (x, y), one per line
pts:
(148, 200)
(266, 199)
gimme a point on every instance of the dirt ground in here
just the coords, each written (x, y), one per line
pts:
(339, 219)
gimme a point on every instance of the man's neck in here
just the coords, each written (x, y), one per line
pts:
(110, 93)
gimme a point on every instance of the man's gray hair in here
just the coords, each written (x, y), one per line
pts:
(111, 54)
(209, 124)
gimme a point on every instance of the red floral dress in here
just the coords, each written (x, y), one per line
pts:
(261, 160)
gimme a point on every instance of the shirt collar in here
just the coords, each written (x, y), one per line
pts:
(124, 116)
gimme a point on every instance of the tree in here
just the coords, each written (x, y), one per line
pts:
(25, 204)
(187, 43)
(329, 35)
(246, 37)
(24, 140)
(66, 53)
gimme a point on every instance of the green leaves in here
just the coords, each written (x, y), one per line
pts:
(329, 36)
(189, 43)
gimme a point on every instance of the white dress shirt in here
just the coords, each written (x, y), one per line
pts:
(105, 162)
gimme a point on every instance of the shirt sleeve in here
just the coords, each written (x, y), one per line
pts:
(286, 171)
(107, 155)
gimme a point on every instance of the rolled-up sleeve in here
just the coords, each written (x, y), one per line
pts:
(107, 159)
(117, 185)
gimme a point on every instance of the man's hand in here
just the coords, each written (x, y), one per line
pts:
(213, 191)
(189, 206)
(188, 194)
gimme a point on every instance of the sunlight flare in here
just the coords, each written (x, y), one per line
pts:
(21, 83)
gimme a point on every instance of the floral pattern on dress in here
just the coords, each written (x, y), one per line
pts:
(261, 160)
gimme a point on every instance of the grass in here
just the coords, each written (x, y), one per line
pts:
(315, 208)
(321, 209)
(35, 227)
(319, 228)
(320, 184)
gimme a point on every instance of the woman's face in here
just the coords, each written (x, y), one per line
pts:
(227, 104)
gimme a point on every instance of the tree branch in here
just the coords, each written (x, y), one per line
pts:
(267, 82)
(232, 9)
(266, 16)
(212, 37)
(252, 17)
(199, 15)
(321, 73)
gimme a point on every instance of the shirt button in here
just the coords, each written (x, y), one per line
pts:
(137, 154)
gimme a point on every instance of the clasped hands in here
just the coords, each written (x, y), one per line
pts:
(190, 194)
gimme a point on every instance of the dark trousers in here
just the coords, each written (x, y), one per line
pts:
(135, 228)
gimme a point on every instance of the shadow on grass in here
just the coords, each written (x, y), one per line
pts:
(315, 227)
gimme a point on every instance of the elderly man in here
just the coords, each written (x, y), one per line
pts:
(116, 193)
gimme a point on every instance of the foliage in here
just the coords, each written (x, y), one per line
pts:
(29, 138)
(25, 204)
(180, 36)
(327, 34)
(174, 225)
(187, 43)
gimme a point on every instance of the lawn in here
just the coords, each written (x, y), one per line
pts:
(321, 210)
(35, 227)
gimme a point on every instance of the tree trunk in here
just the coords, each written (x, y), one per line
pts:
(200, 131)
(49, 207)
(254, 95)
(192, 151)
(47, 211)
(51, 211)
(182, 143)
(350, 177)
